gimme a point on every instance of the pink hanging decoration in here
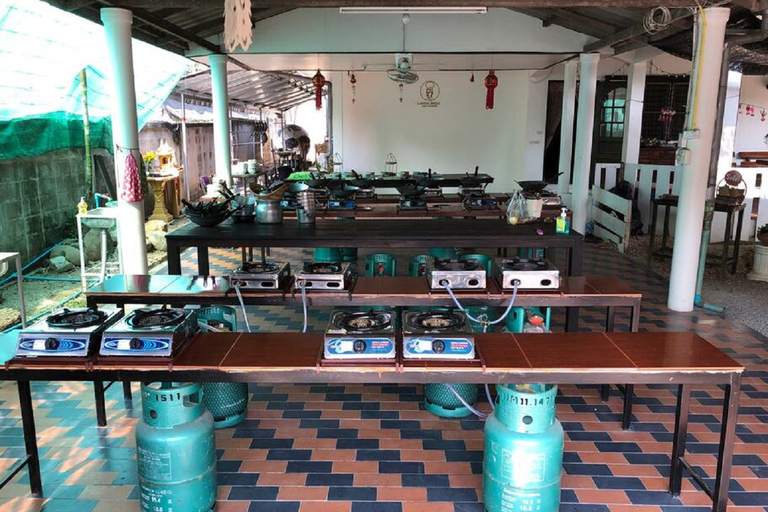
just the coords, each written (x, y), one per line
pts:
(131, 191)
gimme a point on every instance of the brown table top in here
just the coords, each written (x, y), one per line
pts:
(570, 357)
(391, 211)
(404, 291)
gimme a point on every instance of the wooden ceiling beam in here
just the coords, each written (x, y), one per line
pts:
(295, 4)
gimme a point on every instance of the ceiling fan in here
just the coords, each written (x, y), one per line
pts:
(402, 73)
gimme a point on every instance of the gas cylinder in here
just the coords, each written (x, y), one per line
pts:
(523, 457)
(175, 449)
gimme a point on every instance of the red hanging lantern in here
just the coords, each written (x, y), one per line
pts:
(318, 81)
(472, 78)
(491, 82)
(353, 81)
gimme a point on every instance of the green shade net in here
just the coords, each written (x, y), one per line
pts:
(42, 51)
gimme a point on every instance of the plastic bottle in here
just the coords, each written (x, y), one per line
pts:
(82, 207)
(563, 224)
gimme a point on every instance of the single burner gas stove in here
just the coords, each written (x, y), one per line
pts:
(458, 274)
(412, 204)
(327, 277)
(66, 333)
(360, 335)
(341, 204)
(437, 335)
(530, 274)
(480, 202)
(150, 332)
(260, 275)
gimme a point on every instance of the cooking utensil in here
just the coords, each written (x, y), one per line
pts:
(428, 181)
(532, 185)
(269, 211)
(471, 181)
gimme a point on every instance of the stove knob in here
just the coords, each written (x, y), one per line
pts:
(135, 343)
(51, 344)
(438, 346)
(359, 346)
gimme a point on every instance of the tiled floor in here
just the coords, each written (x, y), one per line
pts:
(372, 448)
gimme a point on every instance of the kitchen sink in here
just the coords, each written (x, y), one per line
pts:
(100, 218)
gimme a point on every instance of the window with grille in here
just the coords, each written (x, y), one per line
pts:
(664, 93)
(612, 113)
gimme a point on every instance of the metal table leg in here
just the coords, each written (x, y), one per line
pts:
(101, 408)
(203, 268)
(678, 445)
(737, 242)
(127, 394)
(727, 438)
(652, 230)
(30, 438)
(629, 393)
(174, 258)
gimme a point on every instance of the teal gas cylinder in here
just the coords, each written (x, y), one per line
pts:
(175, 449)
(379, 264)
(327, 255)
(227, 401)
(523, 458)
(348, 254)
(442, 402)
(418, 265)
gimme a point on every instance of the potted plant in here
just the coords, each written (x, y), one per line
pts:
(147, 160)
(762, 234)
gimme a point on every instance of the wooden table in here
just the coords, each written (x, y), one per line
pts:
(680, 358)
(582, 291)
(729, 209)
(418, 233)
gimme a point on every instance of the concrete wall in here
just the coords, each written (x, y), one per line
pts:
(39, 201)
(750, 130)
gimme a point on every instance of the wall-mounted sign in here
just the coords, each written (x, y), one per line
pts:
(429, 92)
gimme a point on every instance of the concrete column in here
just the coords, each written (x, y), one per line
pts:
(221, 142)
(633, 112)
(125, 134)
(585, 123)
(566, 128)
(697, 138)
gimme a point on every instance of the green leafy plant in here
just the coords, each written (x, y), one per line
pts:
(762, 230)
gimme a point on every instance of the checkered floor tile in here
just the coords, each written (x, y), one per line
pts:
(373, 448)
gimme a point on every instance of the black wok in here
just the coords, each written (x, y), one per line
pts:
(532, 185)
(428, 181)
(360, 182)
(471, 180)
(411, 190)
(316, 181)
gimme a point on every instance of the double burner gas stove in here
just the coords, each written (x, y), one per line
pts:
(360, 335)
(327, 277)
(341, 204)
(458, 274)
(260, 275)
(150, 332)
(529, 274)
(437, 335)
(69, 332)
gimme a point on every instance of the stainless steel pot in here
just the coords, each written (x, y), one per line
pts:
(269, 212)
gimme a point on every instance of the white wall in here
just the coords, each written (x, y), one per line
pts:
(453, 137)
(750, 131)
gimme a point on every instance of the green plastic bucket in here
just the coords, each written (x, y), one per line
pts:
(377, 265)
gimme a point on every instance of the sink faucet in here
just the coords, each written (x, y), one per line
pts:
(103, 197)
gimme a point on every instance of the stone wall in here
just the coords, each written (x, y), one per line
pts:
(39, 200)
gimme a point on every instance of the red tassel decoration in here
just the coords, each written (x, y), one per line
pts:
(490, 84)
(131, 191)
(318, 81)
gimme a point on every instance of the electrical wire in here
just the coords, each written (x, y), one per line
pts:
(242, 305)
(657, 19)
(304, 306)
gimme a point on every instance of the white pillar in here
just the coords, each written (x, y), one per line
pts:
(699, 128)
(585, 122)
(633, 112)
(125, 134)
(566, 128)
(221, 142)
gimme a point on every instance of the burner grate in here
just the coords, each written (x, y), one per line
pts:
(258, 267)
(322, 268)
(526, 264)
(363, 321)
(163, 317)
(437, 321)
(452, 264)
(76, 318)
